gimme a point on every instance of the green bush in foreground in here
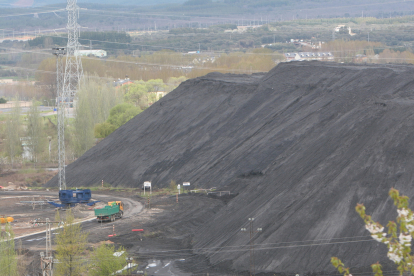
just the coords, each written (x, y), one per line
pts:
(106, 261)
(8, 255)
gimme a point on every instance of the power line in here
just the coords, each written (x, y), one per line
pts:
(32, 13)
(158, 65)
(368, 47)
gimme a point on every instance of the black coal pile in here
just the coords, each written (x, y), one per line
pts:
(300, 146)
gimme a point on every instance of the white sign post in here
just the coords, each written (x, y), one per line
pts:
(178, 188)
(147, 184)
(186, 184)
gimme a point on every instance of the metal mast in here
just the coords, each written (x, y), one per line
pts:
(73, 69)
(47, 260)
(59, 53)
(70, 83)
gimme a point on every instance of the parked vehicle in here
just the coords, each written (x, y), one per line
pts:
(70, 198)
(112, 211)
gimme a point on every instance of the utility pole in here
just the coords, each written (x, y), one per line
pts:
(129, 261)
(46, 260)
(61, 106)
(251, 232)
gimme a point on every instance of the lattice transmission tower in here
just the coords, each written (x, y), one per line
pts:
(69, 84)
(73, 69)
(59, 53)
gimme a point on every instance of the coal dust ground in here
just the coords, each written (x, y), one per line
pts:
(162, 248)
(299, 146)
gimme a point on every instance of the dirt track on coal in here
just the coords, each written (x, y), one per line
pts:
(300, 146)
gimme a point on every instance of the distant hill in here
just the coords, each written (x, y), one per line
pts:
(39, 3)
(275, 9)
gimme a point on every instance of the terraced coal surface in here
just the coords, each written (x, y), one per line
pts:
(300, 146)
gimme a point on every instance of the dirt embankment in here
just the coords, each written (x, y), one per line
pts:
(301, 146)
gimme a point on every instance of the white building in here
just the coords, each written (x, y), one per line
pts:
(96, 53)
(326, 56)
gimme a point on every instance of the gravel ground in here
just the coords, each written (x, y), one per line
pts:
(163, 248)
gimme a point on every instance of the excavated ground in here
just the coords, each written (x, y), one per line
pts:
(300, 146)
(162, 248)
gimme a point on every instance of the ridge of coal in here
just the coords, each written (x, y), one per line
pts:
(300, 145)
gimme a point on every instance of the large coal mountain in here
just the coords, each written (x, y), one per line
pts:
(300, 146)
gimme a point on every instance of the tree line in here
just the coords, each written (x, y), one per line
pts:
(98, 39)
(101, 107)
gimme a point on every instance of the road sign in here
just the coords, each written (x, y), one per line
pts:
(178, 188)
(147, 184)
(186, 183)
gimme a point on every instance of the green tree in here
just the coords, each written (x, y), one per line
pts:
(45, 75)
(100, 96)
(103, 130)
(398, 240)
(122, 113)
(95, 100)
(137, 94)
(83, 137)
(70, 244)
(13, 126)
(172, 83)
(140, 92)
(8, 255)
(3, 101)
(106, 261)
(173, 186)
(119, 115)
(35, 132)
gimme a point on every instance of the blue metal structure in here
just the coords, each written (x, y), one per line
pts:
(70, 198)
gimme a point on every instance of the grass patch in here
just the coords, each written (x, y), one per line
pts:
(38, 188)
(154, 234)
(28, 170)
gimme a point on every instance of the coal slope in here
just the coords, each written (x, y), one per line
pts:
(301, 145)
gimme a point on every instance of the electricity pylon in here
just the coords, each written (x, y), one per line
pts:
(46, 260)
(251, 232)
(70, 84)
(73, 69)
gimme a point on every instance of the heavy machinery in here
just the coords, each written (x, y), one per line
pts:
(112, 211)
(6, 220)
(70, 198)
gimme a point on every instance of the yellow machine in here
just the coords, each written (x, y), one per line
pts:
(119, 203)
(6, 220)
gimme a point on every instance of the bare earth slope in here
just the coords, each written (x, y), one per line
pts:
(301, 145)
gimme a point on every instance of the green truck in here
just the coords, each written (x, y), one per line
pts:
(110, 212)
